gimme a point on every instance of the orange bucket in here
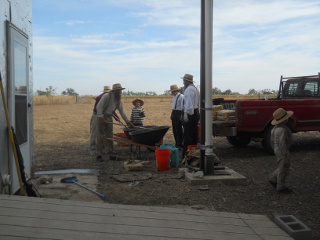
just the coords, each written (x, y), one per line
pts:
(163, 159)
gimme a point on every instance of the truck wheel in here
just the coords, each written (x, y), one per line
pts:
(266, 143)
(239, 141)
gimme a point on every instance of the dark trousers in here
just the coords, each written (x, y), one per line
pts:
(177, 127)
(190, 133)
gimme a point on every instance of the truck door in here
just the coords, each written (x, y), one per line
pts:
(309, 119)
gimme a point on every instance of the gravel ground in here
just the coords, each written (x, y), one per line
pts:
(168, 188)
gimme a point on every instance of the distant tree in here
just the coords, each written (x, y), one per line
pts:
(127, 93)
(216, 91)
(151, 93)
(130, 93)
(50, 91)
(227, 92)
(167, 92)
(252, 91)
(268, 91)
(69, 92)
(41, 93)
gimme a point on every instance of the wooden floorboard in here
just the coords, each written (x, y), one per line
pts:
(37, 218)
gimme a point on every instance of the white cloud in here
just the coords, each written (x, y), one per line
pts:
(254, 43)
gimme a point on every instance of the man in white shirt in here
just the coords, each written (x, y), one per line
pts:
(177, 112)
(191, 114)
(105, 110)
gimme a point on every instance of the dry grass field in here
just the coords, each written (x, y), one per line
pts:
(61, 133)
(69, 121)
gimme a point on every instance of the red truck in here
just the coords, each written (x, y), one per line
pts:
(253, 116)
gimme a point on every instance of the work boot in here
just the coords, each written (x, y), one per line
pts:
(99, 158)
(114, 158)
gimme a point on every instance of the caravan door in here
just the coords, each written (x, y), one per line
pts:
(18, 89)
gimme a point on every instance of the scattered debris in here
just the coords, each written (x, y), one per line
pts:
(203, 188)
(131, 177)
(198, 174)
(133, 184)
(133, 165)
(44, 180)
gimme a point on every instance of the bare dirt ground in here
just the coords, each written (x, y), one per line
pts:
(61, 142)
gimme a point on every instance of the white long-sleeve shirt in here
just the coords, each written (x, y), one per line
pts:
(108, 104)
(281, 139)
(191, 99)
(177, 102)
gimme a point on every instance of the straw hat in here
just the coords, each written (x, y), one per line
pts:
(117, 86)
(188, 77)
(136, 100)
(106, 89)
(174, 88)
(280, 115)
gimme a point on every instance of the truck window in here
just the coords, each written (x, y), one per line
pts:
(292, 89)
(311, 89)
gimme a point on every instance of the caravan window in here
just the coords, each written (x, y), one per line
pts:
(19, 78)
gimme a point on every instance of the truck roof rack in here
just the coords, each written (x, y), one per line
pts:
(286, 78)
(310, 76)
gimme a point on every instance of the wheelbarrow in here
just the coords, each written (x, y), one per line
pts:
(149, 135)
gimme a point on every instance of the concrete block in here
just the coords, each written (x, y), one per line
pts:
(225, 175)
(294, 227)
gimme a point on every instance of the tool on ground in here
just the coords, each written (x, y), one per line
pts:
(75, 181)
(133, 165)
(119, 136)
(126, 126)
(118, 124)
(115, 116)
(16, 152)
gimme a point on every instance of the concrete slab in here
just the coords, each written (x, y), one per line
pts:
(225, 175)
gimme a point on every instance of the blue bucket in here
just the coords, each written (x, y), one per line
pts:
(174, 156)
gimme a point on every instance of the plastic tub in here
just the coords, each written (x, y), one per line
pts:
(174, 155)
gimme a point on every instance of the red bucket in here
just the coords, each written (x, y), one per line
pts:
(163, 159)
(192, 146)
(122, 135)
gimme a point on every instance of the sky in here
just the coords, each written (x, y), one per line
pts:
(148, 45)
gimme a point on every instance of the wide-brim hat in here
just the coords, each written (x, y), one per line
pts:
(280, 115)
(136, 100)
(174, 88)
(188, 77)
(116, 87)
(106, 89)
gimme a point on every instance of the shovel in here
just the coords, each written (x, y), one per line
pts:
(126, 126)
(75, 181)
